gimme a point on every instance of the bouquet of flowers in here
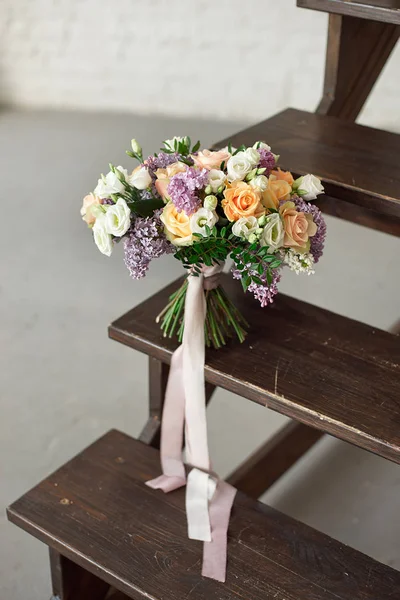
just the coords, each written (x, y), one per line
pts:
(205, 207)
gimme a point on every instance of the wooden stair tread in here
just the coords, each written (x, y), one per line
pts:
(387, 11)
(96, 511)
(322, 369)
(357, 164)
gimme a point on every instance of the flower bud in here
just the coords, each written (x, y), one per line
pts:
(262, 221)
(221, 189)
(208, 189)
(136, 147)
(210, 202)
(251, 175)
(252, 238)
(261, 170)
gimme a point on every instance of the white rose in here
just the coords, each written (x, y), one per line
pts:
(244, 227)
(200, 219)
(216, 179)
(273, 233)
(238, 166)
(210, 202)
(309, 187)
(110, 184)
(170, 144)
(102, 239)
(262, 145)
(117, 218)
(140, 178)
(260, 182)
(253, 156)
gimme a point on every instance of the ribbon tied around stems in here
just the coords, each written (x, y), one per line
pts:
(208, 499)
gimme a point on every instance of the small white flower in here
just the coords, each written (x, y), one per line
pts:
(171, 144)
(210, 202)
(102, 239)
(273, 233)
(253, 156)
(262, 145)
(238, 166)
(216, 179)
(260, 182)
(201, 218)
(110, 184)
(244, 227)
(299, 263)
(140, 178)
(117, 218)
(309, 187)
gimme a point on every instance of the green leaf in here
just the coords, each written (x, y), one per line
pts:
(223, 232)
(196, 147)
(275, 264)
(145, 208)
(269, 277)
(260, 269)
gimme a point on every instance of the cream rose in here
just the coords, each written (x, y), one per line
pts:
(262, 145)
(238, 166)
(216, 179)
(244, 227)
(207, 159)
(117, 218)
(89, 202)
(140, 178)
(260, 182)
(110, 184)
(299, 227)
(309, 187)
(177, 225)
(200, 219)
(253, 156)
(273, 233)
(102, 239)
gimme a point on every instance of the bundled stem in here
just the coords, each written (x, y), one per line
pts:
(223, 320)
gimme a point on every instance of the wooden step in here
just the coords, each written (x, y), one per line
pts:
(97, 512)
(387, 11)
(357, 164)
(324, 370)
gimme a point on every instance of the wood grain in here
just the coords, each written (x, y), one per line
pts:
(387, 11)
(135, 538)
(357, 164)
(335, 374)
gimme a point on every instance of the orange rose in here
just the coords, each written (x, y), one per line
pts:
(283, 175)
(277, 190)
(242, 200)
(299, 227)
(210, 160)
(177, 225)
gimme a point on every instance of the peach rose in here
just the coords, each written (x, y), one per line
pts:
(299, 227)
(206, 159)
(89, 201)
(283, 175)
(277, 190)
(177, 225)
(242, 200)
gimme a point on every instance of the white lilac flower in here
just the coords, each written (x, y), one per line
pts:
(110, 184)
(117, 218)
(308, 187)
(202, 218)
(102, 239)
(140, 178)
(260, 182)
(273, 233)
(245, 227)
(238, 166)
(216, 180)
(299, 263)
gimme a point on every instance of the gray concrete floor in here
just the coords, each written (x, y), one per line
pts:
(63, 383)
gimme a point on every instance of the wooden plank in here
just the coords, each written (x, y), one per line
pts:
(71, 582)
(319, 368)
(357, 164)
(97, 511)
(387, 11)
(273, 459)
(357, 51)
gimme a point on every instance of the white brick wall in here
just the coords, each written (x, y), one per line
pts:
(210, 58)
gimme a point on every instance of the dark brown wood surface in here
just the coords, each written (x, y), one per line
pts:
(269, 462)
(387, 11)
(357, 51)
(327, 371)
(357, 164)
(72, 582)
(97, 512)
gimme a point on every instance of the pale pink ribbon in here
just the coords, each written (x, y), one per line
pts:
(208, 499)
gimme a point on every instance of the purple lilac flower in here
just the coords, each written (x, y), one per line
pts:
(267, 160)
(161, 161)
(107, 201)
(318, 240)
(183, 187)
(144, 241)
(263, 292)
